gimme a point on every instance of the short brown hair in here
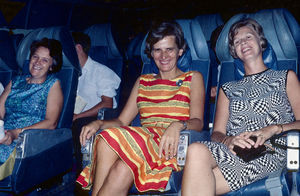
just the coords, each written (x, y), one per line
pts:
(253, 24)
(159, 30)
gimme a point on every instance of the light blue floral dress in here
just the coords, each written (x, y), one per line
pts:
(25, 105)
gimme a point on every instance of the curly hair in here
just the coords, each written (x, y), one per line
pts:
(55, 51)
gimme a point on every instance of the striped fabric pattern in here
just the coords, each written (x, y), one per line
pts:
(160, 102)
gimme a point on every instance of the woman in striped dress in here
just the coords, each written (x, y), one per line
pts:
(168, 102)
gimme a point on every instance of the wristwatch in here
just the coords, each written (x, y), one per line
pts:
(184, 125)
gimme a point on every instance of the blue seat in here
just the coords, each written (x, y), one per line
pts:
(105, 51)
(134, 61)
(44, 154)
(291, 24)
(281, 53)
(195, 58)
(8, 63)
(36, 14)
(209, 23)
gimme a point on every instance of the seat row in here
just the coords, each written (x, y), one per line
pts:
(36, 151)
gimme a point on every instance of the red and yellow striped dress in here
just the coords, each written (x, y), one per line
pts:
(160, 102)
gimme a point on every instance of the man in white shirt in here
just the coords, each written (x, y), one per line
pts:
(96, 89)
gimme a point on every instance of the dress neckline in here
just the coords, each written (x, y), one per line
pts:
(257, 73)
(176, 78)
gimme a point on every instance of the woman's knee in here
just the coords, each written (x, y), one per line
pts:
(196, 149)
(198, 152)
(120, 174)
(101, 145)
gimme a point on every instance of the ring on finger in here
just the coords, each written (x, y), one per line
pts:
(261, 135)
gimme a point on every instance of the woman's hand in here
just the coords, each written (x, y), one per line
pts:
(89, 130)
(169, 140)
(8, 138)
(264, 134)
(241, 140)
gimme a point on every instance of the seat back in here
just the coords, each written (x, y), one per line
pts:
(134, 60)
(276, 32)
(104, 50)
(208, 23)
(69, 73)
(195, 58)
(291, 24)
(8, 64)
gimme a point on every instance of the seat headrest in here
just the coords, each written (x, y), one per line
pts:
(99, 54)
(7, 52)
(61, 34)
(208, 23)
(134, 47)
(292, 23)
(269, 58)
(276, 32)
(101, 35)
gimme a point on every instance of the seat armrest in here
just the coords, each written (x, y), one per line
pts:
(41, 155)
(195, 136)
(34, 141)
(188, 137)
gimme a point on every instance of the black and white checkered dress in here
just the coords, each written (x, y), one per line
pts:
(256, 101)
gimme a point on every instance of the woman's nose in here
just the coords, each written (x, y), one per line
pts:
(165, 54)
(243, 41)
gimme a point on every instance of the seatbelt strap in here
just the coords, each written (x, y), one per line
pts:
(273, 183)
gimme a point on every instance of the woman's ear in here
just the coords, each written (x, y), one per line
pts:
(180, 52)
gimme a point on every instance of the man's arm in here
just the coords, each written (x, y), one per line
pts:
(107, 102)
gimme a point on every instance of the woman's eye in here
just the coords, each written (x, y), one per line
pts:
(45, 61)
(34, 57)
(156, 50)
(237, 42)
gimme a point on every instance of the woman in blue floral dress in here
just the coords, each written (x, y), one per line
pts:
(32, 101)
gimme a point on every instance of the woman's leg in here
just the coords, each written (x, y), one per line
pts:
(118, 181)
(201, 175)
(105, 159)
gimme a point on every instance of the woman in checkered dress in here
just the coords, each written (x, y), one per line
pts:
(263, 103)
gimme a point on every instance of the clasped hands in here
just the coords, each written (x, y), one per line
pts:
(243, 140)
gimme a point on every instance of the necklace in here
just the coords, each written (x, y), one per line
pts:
(30, 81)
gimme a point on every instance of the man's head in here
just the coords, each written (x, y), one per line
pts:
(83, 40)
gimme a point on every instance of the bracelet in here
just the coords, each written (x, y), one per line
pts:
(224, 139)
(184, 125)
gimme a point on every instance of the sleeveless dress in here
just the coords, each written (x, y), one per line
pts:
(25, 105)
(160, 102)
(256, 101)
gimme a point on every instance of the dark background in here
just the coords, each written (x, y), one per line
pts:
(78, 14)
(129, 17)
